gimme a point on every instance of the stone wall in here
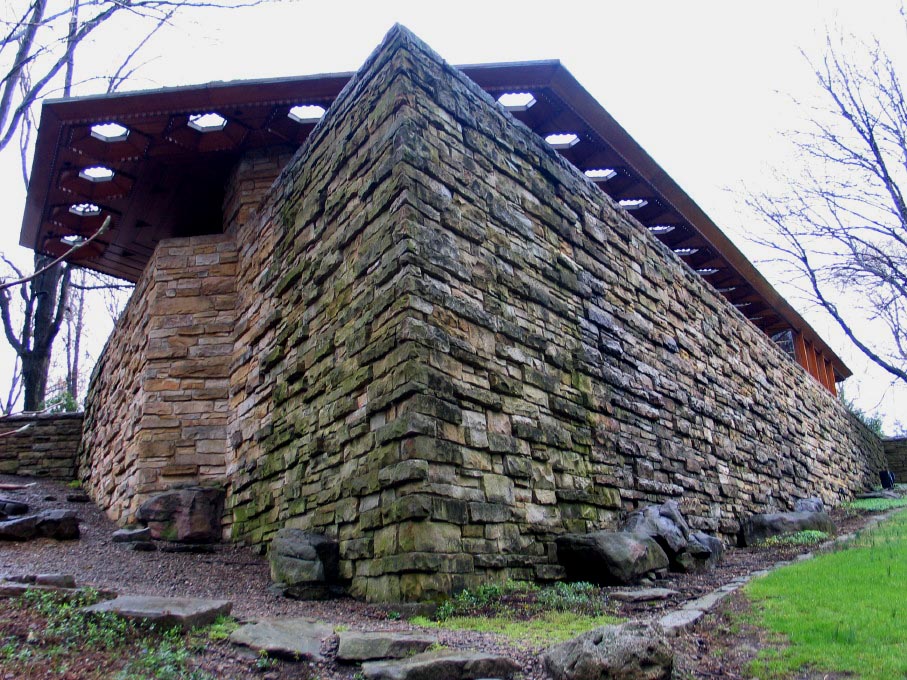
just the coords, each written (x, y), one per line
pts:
(460, 348)
(437, 342)
(46, 449)
(896, 454)
(157, 412)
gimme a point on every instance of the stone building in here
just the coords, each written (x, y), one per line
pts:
(442, 315)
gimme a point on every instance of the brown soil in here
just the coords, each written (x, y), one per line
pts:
(719, 647)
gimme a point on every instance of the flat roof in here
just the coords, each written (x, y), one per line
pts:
(165, 177)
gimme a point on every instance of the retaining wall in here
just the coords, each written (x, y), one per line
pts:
(896, 454)
(47, 448)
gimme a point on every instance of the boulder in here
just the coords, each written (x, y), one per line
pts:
(609, 558)
(303, 563)
(62, 525)
(444, 664)
(630, 651)
(650, 522)
(19, 529)
(703, 552)
(756, 528)
(812, 504)
(189, 515)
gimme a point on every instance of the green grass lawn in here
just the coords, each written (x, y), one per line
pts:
(844, 611)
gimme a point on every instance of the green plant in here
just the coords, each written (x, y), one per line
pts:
(62, 402)
(393, 616)
(579, 597)
(805, 537)
(222, 628)
(264, 662)
(74, 484)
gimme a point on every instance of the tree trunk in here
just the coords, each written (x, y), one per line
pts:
(49, 291)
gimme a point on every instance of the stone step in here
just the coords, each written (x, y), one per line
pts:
(356, 646)
(642, 594)
(444, 664)
(298, 639)
(185, 612)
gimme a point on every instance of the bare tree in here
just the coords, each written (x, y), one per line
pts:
(841, 224)
(38, 46)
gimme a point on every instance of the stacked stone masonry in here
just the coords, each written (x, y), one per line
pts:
(896, 455)
(42, 445)
(449, 347)
(157, 410)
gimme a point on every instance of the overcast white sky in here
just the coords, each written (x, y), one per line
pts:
(705, 87)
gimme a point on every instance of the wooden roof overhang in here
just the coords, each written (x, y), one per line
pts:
(168, 176)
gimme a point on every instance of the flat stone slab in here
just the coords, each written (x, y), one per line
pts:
(357, 646)
(679, 620)
(185, 612)
(298, 639)
(643, 594)
(444, 664)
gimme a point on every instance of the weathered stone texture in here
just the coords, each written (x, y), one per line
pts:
(46, 449)
(157, 414)
(896, 455)
(446, 348)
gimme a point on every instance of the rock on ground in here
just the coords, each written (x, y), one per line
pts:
(301, 560)
(62, 525)
(185, 612)
(812, 504)
(756, 528)
(356, 646)
(289, 638)
(445, 664)
(190, 515)
(608, 557)
(19, 529)
(631, 651)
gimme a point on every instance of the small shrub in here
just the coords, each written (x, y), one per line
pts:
(222, 628)
(805, 537)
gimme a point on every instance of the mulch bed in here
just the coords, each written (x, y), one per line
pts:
(718, 648)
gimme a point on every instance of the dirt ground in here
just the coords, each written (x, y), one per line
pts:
(719, 647)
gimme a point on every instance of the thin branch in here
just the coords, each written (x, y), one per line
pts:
(77, 246)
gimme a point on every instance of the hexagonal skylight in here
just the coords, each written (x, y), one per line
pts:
(109, 132)
(96, 173)
(562, 140)
(73, 240)
(684, 252)
(306, 113)
(600, 174)
(633, 203)
(707, 271)
(517, 101)
(207, 122)
(85, 209)
(661, 228)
